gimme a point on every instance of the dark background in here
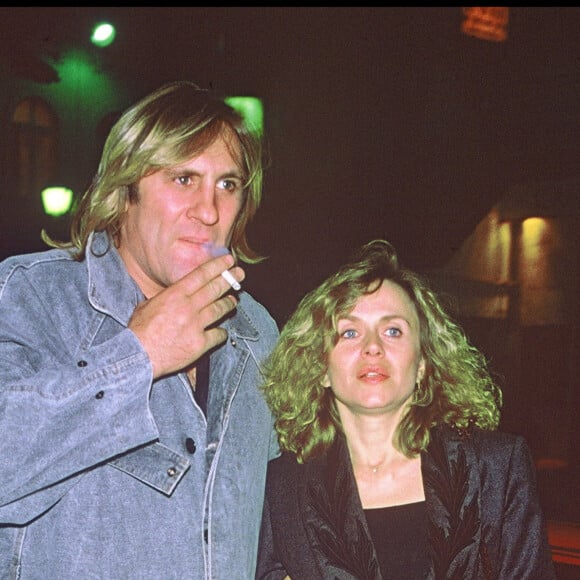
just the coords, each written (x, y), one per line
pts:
(381, 122)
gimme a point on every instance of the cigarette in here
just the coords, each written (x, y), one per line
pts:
(220, 251)
(231, 280)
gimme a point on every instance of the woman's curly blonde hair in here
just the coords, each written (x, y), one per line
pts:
(456, 388)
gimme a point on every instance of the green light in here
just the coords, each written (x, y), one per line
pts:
(56, 200)
(252, 109)
(103, 34)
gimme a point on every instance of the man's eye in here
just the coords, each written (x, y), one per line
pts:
(230, 185)
(184, 179)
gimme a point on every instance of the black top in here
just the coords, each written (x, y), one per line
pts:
(202, 382)
(399, 534)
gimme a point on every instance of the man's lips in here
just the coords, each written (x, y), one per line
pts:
(194, 241)
(192, 250)
(195, 245)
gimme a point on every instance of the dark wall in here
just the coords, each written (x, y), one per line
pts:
(381, 122)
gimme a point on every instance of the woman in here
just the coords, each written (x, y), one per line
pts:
(392, 467)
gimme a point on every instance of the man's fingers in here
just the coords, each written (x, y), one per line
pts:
(214, 337)
(217, 310)
(186, 316)
(199, 277)
(219, 285)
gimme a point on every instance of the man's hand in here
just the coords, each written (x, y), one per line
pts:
(177, 326)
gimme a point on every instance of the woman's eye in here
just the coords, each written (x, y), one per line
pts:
(350, 333)
(393, 331)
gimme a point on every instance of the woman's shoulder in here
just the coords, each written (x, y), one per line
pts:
(285, 471)
(283, 479)
(285, 464)
(484, 443)
(476, 435)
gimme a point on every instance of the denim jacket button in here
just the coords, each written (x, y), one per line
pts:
(172, 472)
(190, 445)
(100, 395)
(82, 363)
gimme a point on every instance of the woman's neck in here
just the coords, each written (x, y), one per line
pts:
(384, 475)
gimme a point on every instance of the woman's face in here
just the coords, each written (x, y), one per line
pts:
(376, 362)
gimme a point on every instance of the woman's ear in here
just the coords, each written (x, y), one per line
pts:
(421, 370)
(326, 381)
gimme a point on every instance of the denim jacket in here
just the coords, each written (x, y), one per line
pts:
(105, 473)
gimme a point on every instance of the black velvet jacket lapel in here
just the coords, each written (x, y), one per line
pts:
(451, 484)
(335, 521)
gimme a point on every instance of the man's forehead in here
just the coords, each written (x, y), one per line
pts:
(214, 150)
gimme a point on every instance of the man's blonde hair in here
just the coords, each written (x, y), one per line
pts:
(166, 128)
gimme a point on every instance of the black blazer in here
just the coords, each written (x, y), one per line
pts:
(485, 520)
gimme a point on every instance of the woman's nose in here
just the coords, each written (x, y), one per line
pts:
(373, 345)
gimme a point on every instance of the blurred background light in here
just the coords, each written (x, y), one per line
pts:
(56, 200)
(486, 22)
(251, 108)
(103, 34)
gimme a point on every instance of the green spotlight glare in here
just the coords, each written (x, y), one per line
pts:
(56, 200)
(103, 34)
(251, 108)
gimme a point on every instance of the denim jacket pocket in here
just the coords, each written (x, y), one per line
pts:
(155, 465)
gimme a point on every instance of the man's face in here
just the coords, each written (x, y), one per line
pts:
(180, 211)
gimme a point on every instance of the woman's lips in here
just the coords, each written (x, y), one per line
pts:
(373, 374)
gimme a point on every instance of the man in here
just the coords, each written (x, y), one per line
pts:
(135, 438)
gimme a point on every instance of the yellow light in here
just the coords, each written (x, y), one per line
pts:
(56, 200)
(534, 228)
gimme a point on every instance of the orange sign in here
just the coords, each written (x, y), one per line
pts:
(487, 23)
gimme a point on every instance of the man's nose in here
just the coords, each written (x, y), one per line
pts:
(203, 205)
